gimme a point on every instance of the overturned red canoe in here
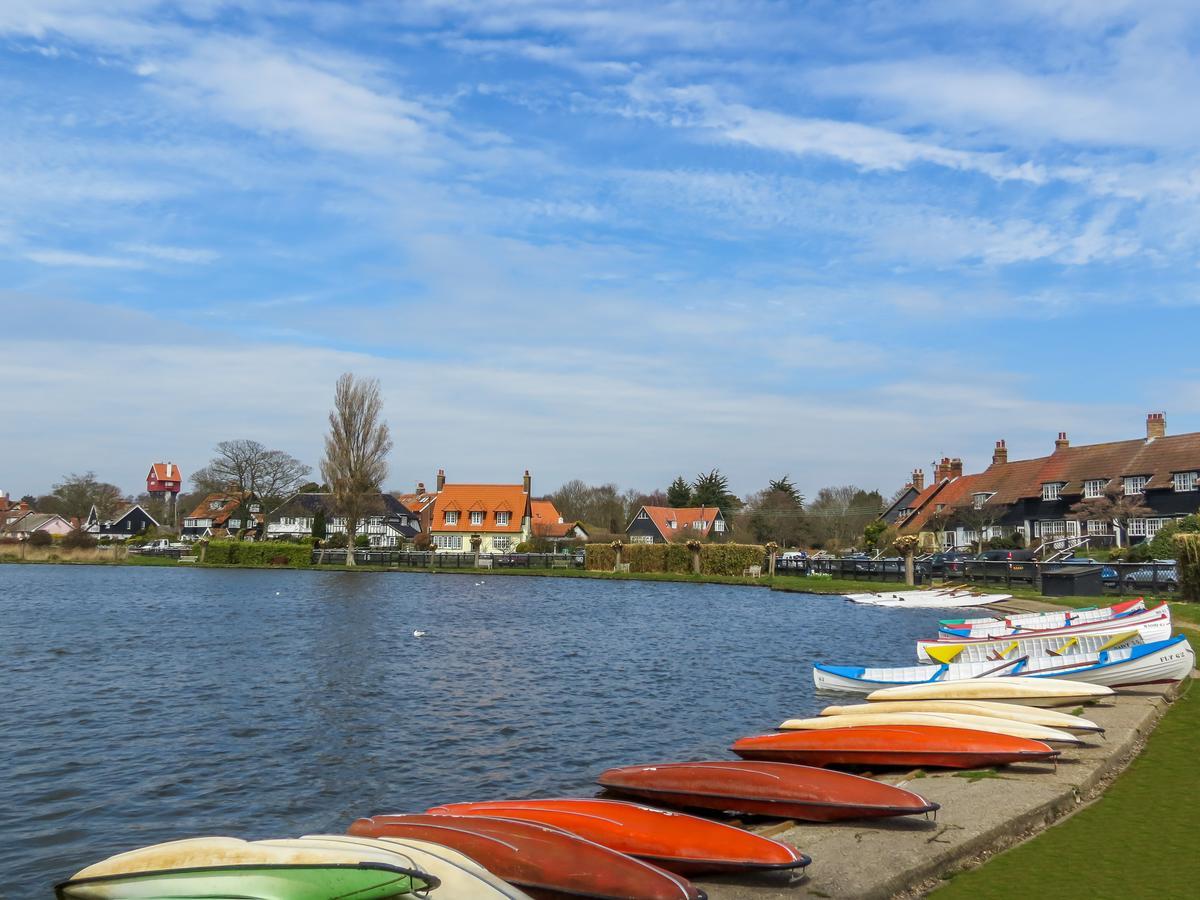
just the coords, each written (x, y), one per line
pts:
(672, 840)
(777, 789)
(545, 862)
(907, 746)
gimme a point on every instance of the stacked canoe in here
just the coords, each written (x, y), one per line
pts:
(986, 698)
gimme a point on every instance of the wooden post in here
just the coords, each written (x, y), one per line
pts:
(772, 549)
(909, 576)
(617, 548)
(694, 547)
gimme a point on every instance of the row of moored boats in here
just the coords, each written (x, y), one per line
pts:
(664, 829)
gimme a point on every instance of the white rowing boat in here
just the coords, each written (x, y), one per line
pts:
(940, 599)
(1162, 662)
(1046, 619)
(1040, 692)
(1034, 645)
(1159, 615)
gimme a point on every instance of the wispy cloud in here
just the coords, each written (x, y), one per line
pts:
(82, 260)
(167, 253)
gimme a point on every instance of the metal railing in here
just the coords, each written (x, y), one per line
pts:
(418, 559)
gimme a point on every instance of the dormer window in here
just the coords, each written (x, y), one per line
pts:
(979, 498)
(1051, 489)
(216, 504)
(671, 523)
(1185, 481)
(503, 517)
(1135, 484)
(700, 524)
(1093, 488)
(451, 517)
(476, 517)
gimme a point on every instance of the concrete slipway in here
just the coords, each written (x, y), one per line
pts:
(908, 856)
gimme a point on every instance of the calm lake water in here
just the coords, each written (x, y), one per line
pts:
(142, 704)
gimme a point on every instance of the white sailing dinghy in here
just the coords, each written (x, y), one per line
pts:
(1034, 645)
(1161, 662)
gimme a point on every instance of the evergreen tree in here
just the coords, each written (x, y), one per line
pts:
(784, 486)
(712, 489)
(679, 494)
(318, 526)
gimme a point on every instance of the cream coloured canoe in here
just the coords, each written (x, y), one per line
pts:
(460, 876)
(1011, 711)
(928, 599)
(947, 720)
(1013, 689)
(1034, 645)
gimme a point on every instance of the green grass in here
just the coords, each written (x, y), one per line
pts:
(1138, 840)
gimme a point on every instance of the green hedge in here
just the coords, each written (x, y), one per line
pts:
(715, 559)
(1187, 555)
(729, 559)
(258, 553)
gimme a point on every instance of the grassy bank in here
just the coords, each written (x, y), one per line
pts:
(1135, 841)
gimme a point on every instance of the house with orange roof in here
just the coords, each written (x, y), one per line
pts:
(1034, 497)
(665, 524)
(549, 525)
(480, 518)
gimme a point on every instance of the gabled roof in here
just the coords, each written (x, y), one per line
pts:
(158, 471)
(683, 517)
(417, 502)
(31, 522)
(232, 501)
(488, 498)
(549, 523)
(310, 503)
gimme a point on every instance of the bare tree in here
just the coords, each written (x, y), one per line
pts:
(247, 467)
(75, 495)
(356, 449)
(1114, 506)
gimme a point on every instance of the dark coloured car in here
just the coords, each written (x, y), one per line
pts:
(949, 563)
(1006, 555)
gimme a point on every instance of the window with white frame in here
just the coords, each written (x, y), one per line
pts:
(503, 518)
(1050, 490)
(979, 498)
(477, 517)
(700, 524)
(719, 525)
(1097, 526)
(671, 523)
(1185, 481)
(1093, 488)
(641, 539)
(451, 517)
(643, 515)
(1054, 528)
(503, 542)
(447, 541)
(1135, 484)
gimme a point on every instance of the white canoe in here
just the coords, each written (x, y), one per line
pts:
(460, 875)
(1040, 692)
(1152, 625)
(1057, 623)
(928, 599)
(1162, 662)
(1011, 648)
(1047, 718)
(946, 720)
(1035, 619)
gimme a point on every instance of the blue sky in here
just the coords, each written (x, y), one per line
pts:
(615, 241)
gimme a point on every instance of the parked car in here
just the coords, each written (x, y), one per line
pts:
(1162, 572)
(1006, 555)
(949, 563)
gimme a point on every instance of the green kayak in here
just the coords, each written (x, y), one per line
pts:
(318, 881)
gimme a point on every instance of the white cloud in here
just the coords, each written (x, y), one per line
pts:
(83, 260)
(167, 253)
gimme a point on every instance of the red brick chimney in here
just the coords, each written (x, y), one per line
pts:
(1061, 443)
(1000, 454)
(956, 468)
(420, 487)
(1156, 426)
(918, 479)
(943, 470)
(526, 483)
(441, 480)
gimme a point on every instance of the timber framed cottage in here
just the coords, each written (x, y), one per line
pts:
(1159, 475)
(391, 525)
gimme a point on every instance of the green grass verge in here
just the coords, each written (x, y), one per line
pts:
(1137, 840)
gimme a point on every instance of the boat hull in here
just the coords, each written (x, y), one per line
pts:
(894, 746)
(766, 789)
(1065, 616)
(1062, 624)
(538, 859)
(1039, 692)
(949, 720)
(1004, 711)
(676, 841)
(928, 599)
(1082, 641)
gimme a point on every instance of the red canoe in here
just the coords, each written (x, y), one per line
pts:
(908, 746)
(544, 862)
(675, 841)
(776, 789)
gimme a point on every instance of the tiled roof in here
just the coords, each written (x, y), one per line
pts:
(220, 516)
(417, 502)
(683, 517)
(158, 471)
(313, 502)
(488, 498)
(30, 521)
